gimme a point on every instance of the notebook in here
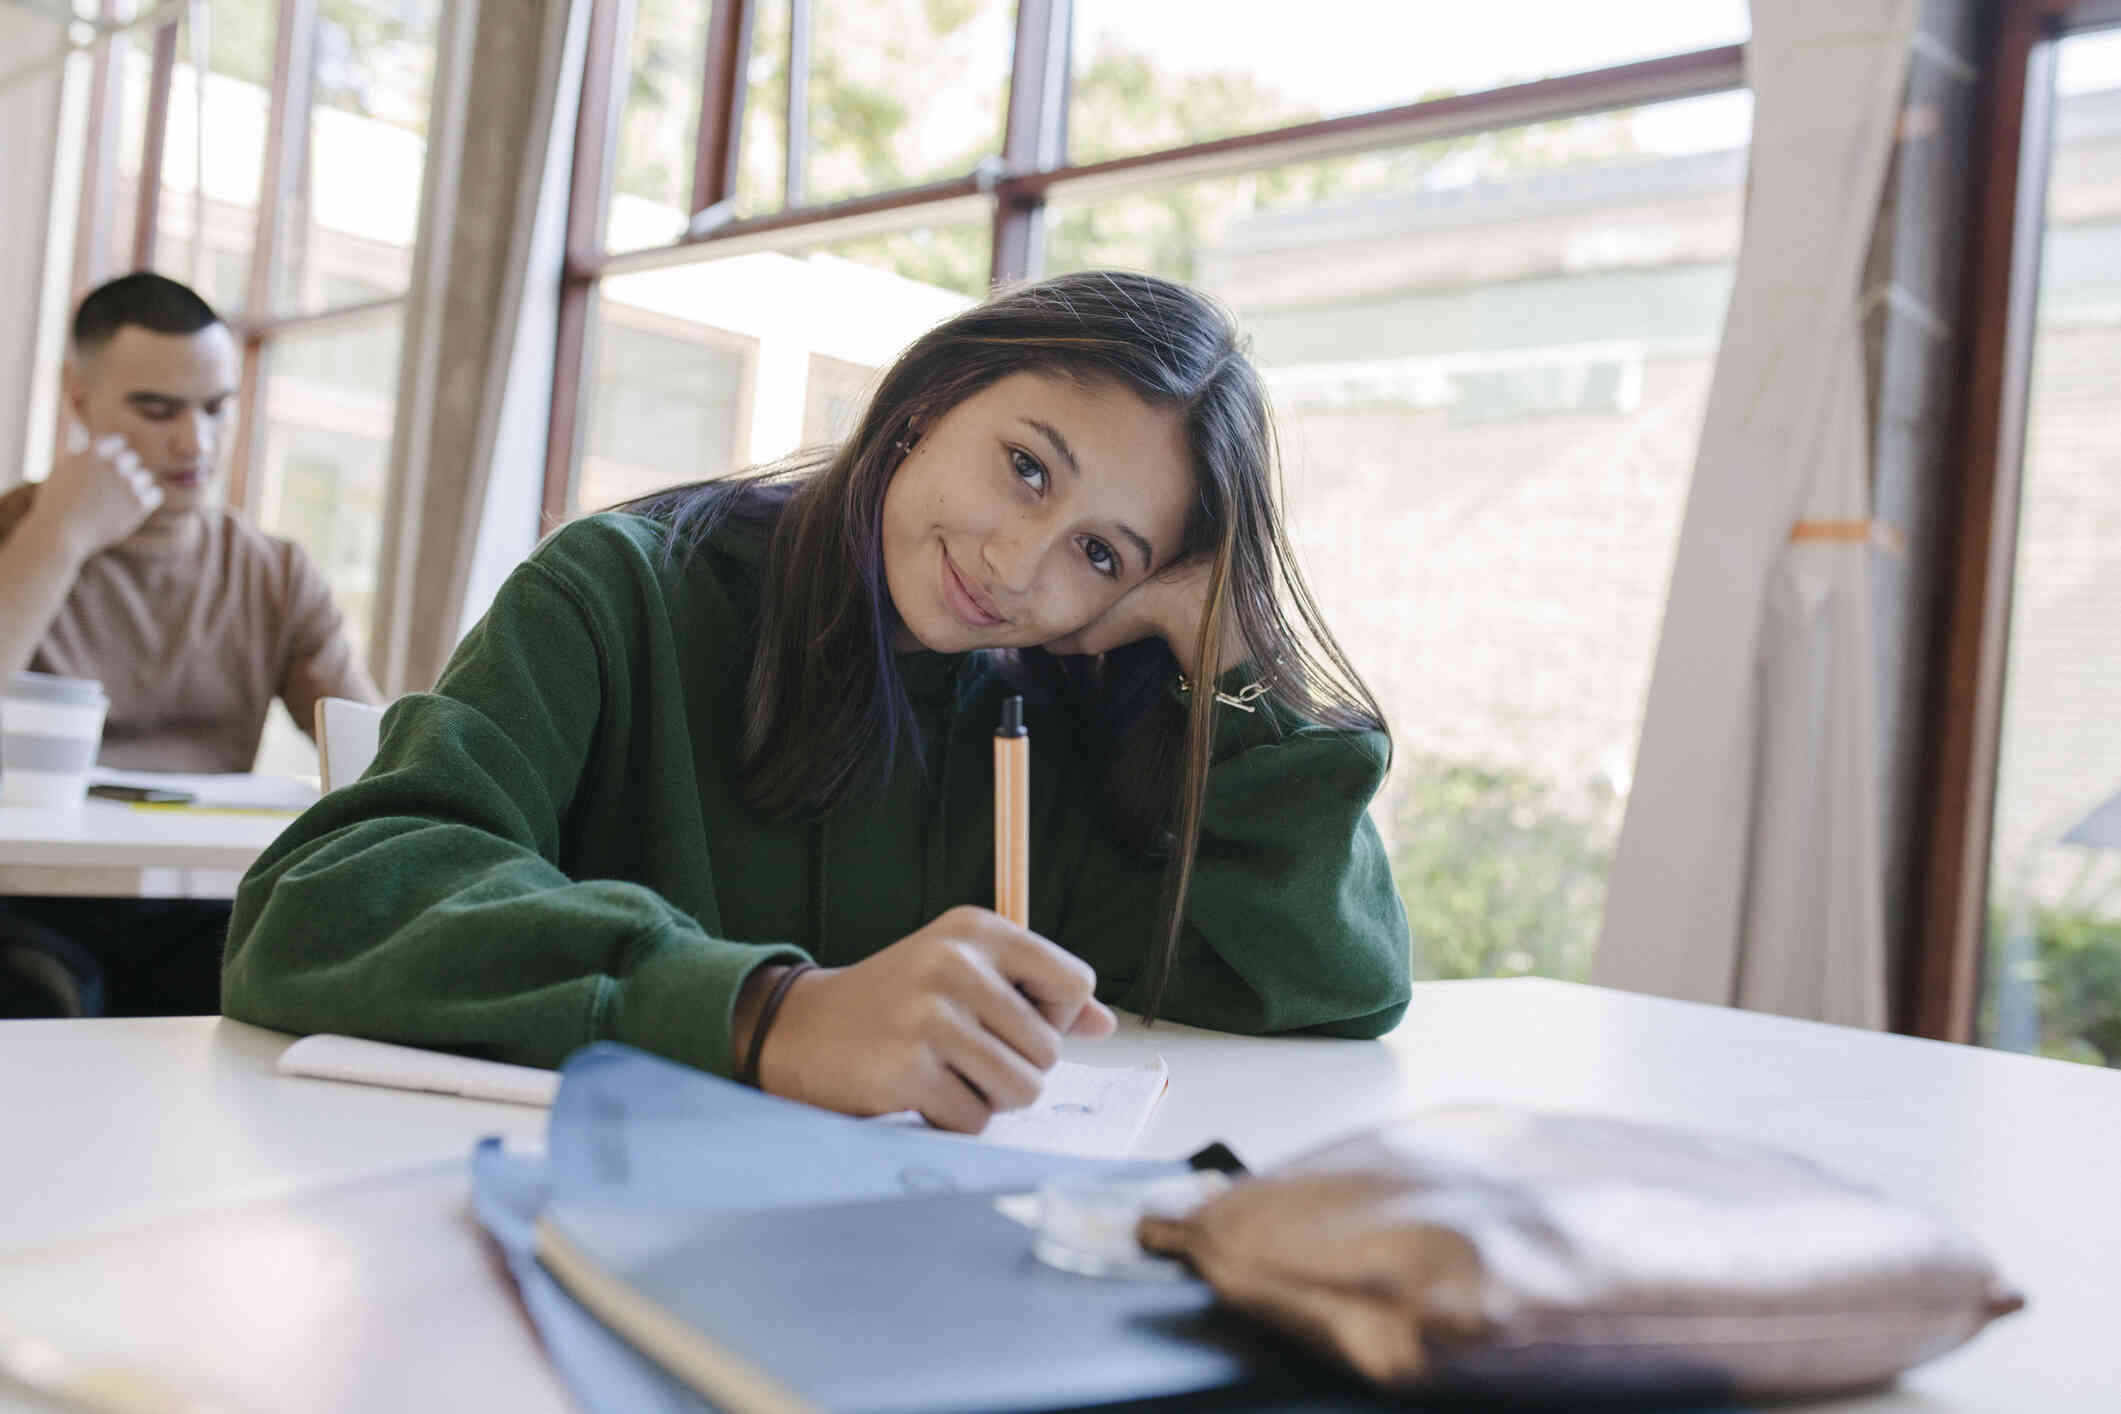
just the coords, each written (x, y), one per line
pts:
(640, 1134)
(925, 1303)
(327, 1057)
(1088, 1110)
(1098, 1111)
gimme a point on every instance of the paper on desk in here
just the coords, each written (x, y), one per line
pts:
(1093, 1111)
(239, 791)
(1087, 1110)
(410, 1068)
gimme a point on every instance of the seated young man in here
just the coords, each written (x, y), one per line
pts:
(123, 566)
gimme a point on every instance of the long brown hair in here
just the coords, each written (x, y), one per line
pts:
(826, 708)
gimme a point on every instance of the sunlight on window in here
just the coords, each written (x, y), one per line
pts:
(1490, 357)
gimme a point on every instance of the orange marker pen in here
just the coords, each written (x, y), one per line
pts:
(1012, 815)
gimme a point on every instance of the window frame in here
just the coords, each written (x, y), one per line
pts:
(257, 327)
(2007, 225)
(1011, 197)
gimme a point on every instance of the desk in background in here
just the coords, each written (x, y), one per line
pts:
(381, 1294)
(112, 850)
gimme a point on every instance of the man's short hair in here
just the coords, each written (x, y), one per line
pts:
(153, 302)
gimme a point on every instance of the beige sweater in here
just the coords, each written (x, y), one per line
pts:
(192, 645)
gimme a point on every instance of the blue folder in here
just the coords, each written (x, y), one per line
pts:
(931, 1304)
(636, 1134)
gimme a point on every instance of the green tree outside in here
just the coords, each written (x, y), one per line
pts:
(1500, 876)
(2060, 959)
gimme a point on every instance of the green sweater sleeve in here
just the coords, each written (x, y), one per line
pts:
(426, 904)
(1292, 922)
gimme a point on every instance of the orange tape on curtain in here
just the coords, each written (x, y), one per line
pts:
(1851, 532)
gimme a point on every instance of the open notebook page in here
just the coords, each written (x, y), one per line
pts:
(1093, 1111)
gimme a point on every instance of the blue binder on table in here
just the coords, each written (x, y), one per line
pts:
(785, 1234)
(919, 1305)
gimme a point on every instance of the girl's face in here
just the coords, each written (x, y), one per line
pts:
(1026, 511)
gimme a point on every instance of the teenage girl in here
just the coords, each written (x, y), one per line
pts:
(731, 746)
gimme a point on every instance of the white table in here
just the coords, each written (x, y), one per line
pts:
(380, 1293)
(110, 849)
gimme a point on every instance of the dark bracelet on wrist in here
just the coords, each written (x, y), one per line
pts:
(749, 1075)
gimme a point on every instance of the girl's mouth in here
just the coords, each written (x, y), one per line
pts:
(966, 602)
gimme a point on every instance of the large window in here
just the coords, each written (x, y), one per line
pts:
(887, 93)
(658, 118)
(699, 369)
(895, 92)
(2054, 910)
(308, 265)
(669, 396)
(371, 74)
(1489, 351)
(1489, 358)
(330, 396)
(1151, 76)
(213, 153)
(1482, 258)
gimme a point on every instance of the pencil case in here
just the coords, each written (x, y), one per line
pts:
(1489, 1250)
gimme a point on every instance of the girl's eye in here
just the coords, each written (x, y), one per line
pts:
(1101, 557)
(1027, 469)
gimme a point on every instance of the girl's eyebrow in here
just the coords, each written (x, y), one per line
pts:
(1060, 443)
(1067, 454)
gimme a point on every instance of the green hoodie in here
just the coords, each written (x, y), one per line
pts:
(551, 847)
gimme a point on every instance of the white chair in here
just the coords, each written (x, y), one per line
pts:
(348, 733)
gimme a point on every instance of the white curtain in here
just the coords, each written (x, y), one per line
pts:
(1749, 865)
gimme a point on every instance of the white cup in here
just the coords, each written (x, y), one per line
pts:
(50, 729)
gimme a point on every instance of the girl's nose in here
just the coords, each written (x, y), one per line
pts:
(1012, 554)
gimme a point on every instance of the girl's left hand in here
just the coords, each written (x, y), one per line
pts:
(1169, 606)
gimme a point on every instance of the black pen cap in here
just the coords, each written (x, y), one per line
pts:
(1012, 718)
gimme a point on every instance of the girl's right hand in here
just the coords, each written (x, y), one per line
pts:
(957, 1021)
